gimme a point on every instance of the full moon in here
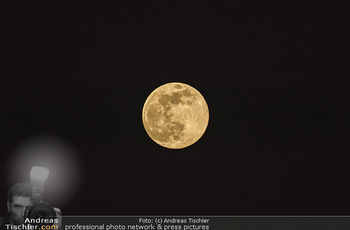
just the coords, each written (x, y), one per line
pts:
(175, 115)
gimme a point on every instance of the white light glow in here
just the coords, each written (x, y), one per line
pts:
(51, 153)
(39, 174)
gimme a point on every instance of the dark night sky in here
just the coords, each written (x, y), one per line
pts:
(273, 76)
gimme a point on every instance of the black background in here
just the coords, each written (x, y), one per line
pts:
(273, 74)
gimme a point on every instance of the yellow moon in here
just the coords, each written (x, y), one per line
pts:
(175, 115)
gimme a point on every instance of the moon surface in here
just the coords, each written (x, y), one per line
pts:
(175, 115)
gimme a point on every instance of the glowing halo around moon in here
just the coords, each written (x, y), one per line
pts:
(175, 115)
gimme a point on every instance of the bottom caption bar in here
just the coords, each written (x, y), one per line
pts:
(204, 222)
